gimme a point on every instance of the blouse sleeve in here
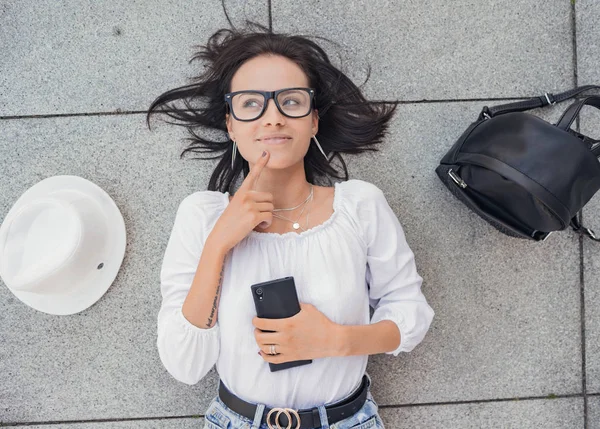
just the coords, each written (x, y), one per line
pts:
(394, 284)
(187, 351)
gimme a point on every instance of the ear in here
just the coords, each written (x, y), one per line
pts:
(228, 124)
(315, 122)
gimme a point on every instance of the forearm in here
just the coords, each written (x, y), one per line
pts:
(380, 337)
(201, 305)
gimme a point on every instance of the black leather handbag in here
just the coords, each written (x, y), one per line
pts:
(523, 175)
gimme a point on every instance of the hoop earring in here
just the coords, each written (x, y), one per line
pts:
(233, 153)
(320, 148)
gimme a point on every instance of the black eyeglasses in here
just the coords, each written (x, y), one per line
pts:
(250, 105)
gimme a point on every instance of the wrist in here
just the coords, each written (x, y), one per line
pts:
(216, 246)
(340, 336)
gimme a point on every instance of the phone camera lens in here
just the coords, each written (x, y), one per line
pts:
(259, 291)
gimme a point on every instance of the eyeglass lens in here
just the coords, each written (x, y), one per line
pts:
(249, 105)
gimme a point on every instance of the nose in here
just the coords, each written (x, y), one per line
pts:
(272, 115)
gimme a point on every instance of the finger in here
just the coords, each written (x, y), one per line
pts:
(265, 350)
(266, 324)
(265, 219)
(265, 206)
(261, 196)
(278, 358)
(254, 173)
(264, 337)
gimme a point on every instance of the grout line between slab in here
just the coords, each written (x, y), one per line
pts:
(581, 238)
(423, 404)
(137, 112)
(270, 16)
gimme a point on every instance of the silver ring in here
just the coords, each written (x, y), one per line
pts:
(273, 352)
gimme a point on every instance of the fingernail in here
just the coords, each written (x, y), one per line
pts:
(259, 353)
(264, 153)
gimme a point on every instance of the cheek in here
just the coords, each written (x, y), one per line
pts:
(245, 132)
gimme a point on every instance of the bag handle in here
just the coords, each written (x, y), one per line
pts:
(535, 102)
(567, 118)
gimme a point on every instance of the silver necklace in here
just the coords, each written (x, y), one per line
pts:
(296, 225)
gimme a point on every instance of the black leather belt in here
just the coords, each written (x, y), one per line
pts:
(300, 419)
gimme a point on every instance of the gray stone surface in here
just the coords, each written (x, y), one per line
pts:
(101, 363)
(593, 412)
(188, 423)
(590, 125)
(588, 42)
(588, 51)
(547, 414)
(77, 56)
(507, 319)
(443, 50)
(507, 310)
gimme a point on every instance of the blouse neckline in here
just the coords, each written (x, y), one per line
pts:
(291, 234)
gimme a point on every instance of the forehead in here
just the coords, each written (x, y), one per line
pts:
(268, 73)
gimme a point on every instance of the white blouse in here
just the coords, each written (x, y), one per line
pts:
(358, 257)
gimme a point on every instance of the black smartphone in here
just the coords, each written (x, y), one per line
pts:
(277, 299)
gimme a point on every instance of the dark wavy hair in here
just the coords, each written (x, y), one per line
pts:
(348, 123)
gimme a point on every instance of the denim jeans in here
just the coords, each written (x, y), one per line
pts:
(219, 416)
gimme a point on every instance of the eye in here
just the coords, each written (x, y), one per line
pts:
(291, 100)
(251, 103)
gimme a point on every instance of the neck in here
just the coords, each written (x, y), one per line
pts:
(288, 186)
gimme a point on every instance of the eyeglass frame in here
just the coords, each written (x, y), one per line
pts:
(267, 95)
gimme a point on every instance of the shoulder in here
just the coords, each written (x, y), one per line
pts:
(202, 204)
(360, 193)
(370, 209)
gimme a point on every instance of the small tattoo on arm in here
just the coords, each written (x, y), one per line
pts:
(216, 300)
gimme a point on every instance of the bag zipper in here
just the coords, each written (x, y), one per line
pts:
(460, 182)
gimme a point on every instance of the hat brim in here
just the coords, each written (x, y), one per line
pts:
(93, 286)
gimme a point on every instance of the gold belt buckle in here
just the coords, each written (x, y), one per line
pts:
(287, 412)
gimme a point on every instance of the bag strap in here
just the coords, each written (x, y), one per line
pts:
(578, 227)
(535, 102)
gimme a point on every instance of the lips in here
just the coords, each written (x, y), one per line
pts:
(275, 140)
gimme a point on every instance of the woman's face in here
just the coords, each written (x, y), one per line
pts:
(270, 73)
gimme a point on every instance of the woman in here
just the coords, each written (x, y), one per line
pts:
(284, 107)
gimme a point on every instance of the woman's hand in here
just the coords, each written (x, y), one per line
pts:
(247, 209)
(307, 335)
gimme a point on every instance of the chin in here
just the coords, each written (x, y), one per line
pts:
(281, 163)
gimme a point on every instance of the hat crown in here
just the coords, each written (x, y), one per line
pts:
(51, 242)
(61, 245)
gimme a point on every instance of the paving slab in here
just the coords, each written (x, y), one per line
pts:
(588, 51)
(78, 56)
(590, 125)
(587, 15)
(593, 412)
(550, 414)
(101, 363)
(443, 50)
(507, 311)
(183, 423)
(547, 414)
(507, 318)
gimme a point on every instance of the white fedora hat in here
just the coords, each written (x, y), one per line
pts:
(61, 245)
